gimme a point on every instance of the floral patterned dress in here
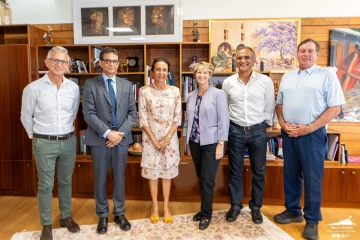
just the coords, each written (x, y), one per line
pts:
(159, 109)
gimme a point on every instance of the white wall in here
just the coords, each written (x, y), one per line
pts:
(60, 11)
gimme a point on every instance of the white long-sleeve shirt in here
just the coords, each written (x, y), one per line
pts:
(48, 110)
(250, 103)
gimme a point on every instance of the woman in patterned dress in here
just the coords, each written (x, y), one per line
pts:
(160, 116)
(208, 128)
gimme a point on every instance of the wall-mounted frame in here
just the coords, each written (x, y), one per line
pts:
(145, 21)
(273, 40)
(345, 56)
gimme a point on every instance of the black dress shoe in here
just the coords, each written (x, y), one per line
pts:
(204, 223)
(232, 215)
(123, 222)
(102, 225)
(197, 217)
(256, 216)
(46, 233)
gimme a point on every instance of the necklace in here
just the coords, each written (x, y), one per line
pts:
(160, 90)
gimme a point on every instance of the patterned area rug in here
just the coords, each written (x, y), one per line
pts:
(182, 228)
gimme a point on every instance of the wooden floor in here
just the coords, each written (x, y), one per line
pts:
(20, 213)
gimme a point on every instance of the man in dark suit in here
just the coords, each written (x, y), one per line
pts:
(110, 112)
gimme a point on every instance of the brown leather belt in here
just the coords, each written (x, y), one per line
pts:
(56, 138)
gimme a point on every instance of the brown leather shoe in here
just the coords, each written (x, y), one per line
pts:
(70, 225)
(46, 233)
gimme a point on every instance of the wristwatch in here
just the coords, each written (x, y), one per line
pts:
(221, 142)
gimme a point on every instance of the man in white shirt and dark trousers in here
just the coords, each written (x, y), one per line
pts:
(251, 104)
(49, 108)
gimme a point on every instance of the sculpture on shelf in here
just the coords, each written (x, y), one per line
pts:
(194, 60)
(195, 33)
(220, 61)
(48, 36)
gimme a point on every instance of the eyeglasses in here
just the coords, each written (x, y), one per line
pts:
(109, 61)
(57, 61)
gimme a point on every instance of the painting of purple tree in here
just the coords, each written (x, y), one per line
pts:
(277, 39)
(273, 40)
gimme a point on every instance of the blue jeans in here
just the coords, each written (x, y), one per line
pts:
(255, 141)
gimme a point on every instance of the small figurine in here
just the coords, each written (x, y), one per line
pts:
(195, 33)
(194, 60)
(48, 36)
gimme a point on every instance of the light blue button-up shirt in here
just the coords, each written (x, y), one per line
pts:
(306, 94)
(113, 82)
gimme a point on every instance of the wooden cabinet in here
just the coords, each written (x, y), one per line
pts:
(341, 184)
(274, 182)
(83, 178)
(17, 44)
(17, 178)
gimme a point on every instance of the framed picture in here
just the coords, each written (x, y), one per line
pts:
(273, 40)
(345, 60)
(127, 21)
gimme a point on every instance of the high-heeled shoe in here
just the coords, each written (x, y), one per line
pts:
(168, 220)
(154, 220)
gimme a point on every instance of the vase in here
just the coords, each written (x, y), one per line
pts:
(6, 16)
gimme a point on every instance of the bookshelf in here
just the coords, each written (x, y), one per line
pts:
(185, 186)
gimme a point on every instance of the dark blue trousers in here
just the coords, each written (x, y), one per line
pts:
(206, 167)
(304, 159)
(255, 141)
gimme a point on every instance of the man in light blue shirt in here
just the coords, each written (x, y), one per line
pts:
(309, 97)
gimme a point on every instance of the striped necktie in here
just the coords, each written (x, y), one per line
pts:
(113, 103)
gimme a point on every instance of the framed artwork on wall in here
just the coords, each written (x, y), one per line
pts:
(273, 40)
(127, 21)
(345, 59)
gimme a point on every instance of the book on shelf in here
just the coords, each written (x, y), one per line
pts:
(354, 159)
(342, 153)
(171, 79)
(332, 146)
(270, 156)
(149, 79)
(136, 90)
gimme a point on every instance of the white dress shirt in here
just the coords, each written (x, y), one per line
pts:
(250, 103)
(48, 110)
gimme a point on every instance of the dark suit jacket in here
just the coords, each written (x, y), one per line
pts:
(97, 110)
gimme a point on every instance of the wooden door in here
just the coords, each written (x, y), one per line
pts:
(274, 183)
(17, 178)
(334, 184)
(352, 185)
(14, 68)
